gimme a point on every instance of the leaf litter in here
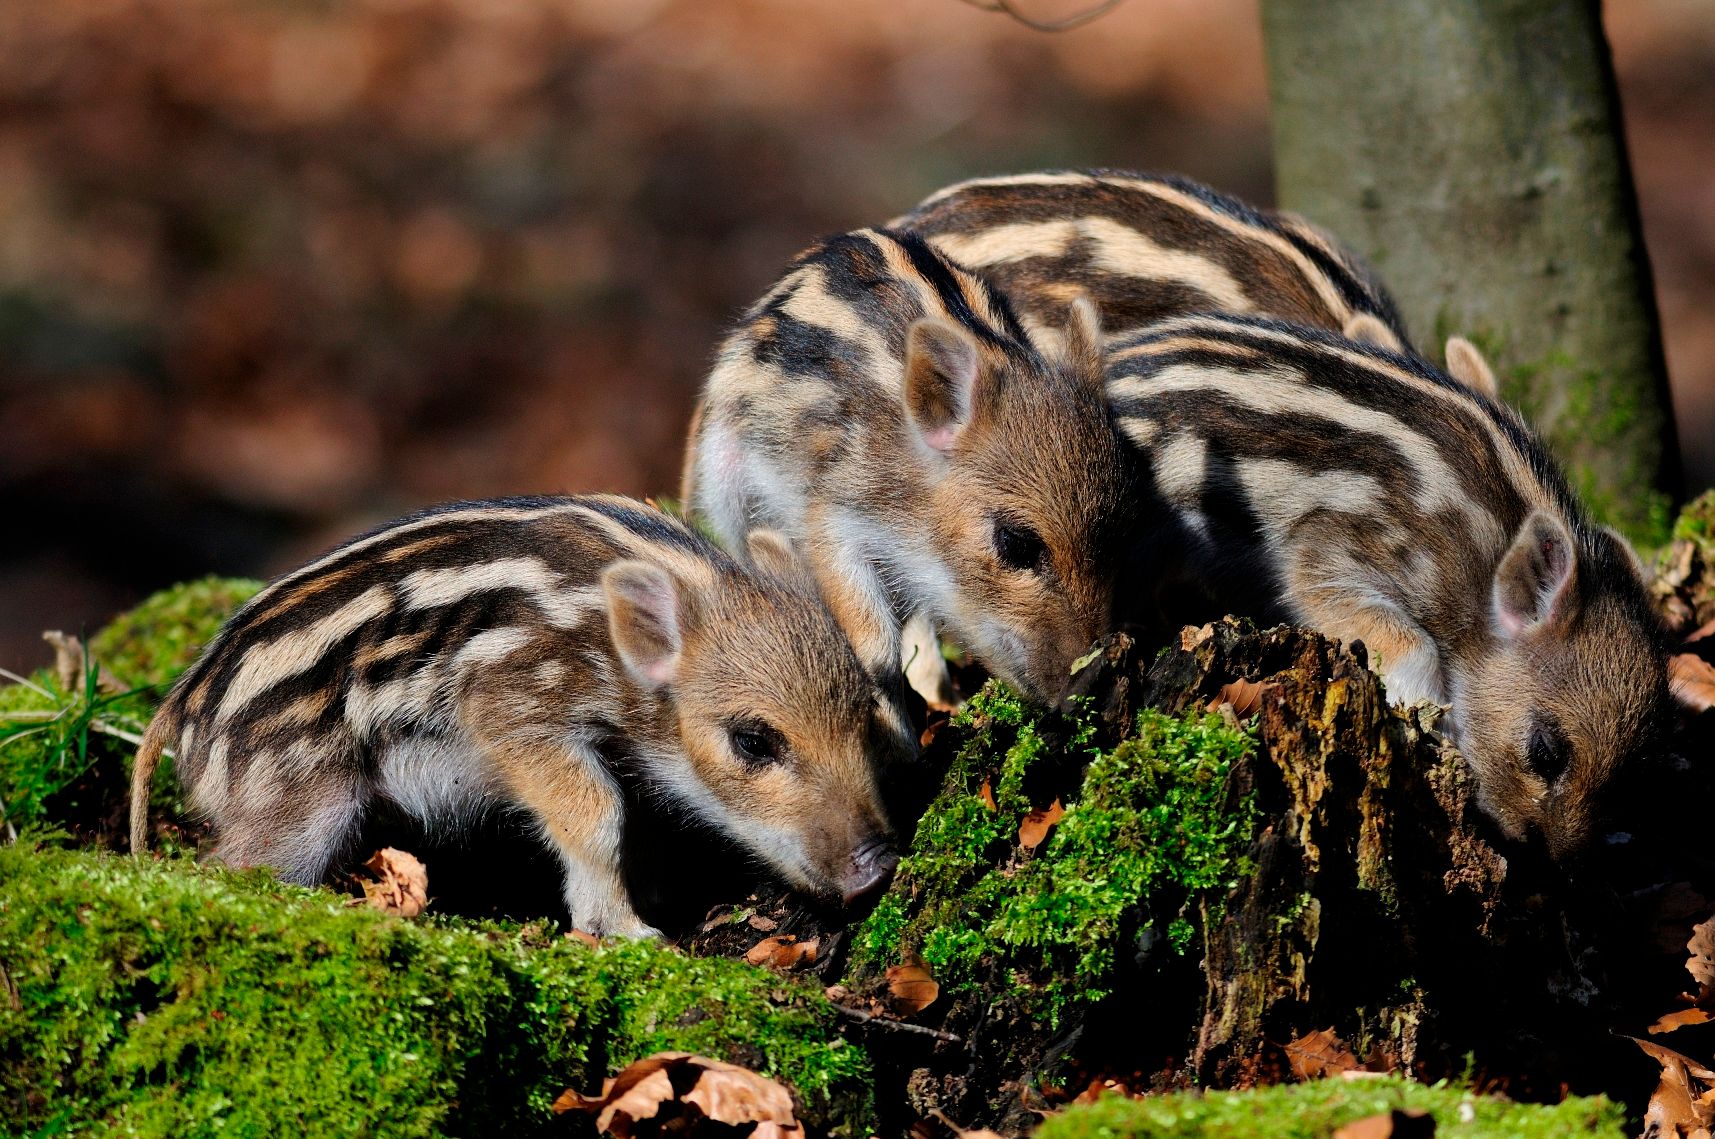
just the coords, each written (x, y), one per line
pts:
(684, 1094)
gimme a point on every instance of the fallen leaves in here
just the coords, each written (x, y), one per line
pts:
(402, 887)
(1683, 1105)
(1400, 1123)
(783, 952)
(1692, 681)
(646, 1099)
(1700, 963)
(1320, 1053)
(1036, 825)
(1680, 1019)
(911, 988)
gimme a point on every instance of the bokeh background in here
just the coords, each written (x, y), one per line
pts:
(274, 270)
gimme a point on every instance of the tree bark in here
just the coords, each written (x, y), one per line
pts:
(1473, 151)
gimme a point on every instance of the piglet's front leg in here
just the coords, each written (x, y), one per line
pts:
(581, 812)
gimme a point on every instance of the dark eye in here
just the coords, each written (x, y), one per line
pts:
(756, 742)
(1549, 753)
(1018, 547)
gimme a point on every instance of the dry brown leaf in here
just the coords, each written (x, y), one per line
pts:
(1399, 1123)
(911, 987)
(762, 924)
(1037, 824)
(1245, 696)
(715, 1090)
(403, 886)
(1676, 1020)
(1692, 681)
(986, 794)
(1680, 1106)
(1318, 1054)
(932, 729)
(729, 1094)
(1701, 963)
(783, 952)
(585, 937)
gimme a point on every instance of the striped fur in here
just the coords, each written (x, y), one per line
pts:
(541, 655)
(1312, 478)
(1148, 247)
(885, 409)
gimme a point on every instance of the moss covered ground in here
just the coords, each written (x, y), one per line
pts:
(1315, 1110)
(152, 997)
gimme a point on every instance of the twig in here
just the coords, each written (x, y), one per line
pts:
(1065, 24)
(863, 1017)
(8, 674)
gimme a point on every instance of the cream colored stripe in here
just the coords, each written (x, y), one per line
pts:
(900, 266)
(1118, 249)
(474, 514)
(268, 664)
(814, 304)
(1518, 467)
(1281, 391)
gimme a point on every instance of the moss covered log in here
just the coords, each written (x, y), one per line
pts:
(1315, 1110)
(150, 997)
(1319, 865)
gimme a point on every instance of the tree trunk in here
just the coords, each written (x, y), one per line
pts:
(1472, 149)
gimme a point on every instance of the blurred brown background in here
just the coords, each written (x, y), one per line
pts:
(274, 270)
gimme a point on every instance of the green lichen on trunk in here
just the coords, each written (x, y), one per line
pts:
(1149, 825)
(1315, 1110)
(152, 997)
(1484, 174)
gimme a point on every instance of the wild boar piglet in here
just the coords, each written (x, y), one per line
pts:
(1312, 478)
(540, 655)
(884, 409)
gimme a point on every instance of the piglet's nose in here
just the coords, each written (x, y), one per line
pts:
(870, 868)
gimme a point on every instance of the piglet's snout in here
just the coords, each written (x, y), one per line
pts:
(870, 868)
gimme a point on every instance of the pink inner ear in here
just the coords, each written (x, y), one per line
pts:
(1511, 622)
(660, 670)
(940, 438)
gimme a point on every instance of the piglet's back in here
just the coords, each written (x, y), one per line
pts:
(377, 631)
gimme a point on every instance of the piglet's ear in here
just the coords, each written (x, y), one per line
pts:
(771, 553)
(1083, 351)
(941, 372)
(1466, 364)
(643, 618)
(1369, 328)
(1533, 583)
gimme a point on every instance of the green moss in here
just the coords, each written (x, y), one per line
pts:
(1315, 1110)
(1150, 826)
(156, 998)
(151, 644)
(64, 753)
(1696, 523)
(1603, 431)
